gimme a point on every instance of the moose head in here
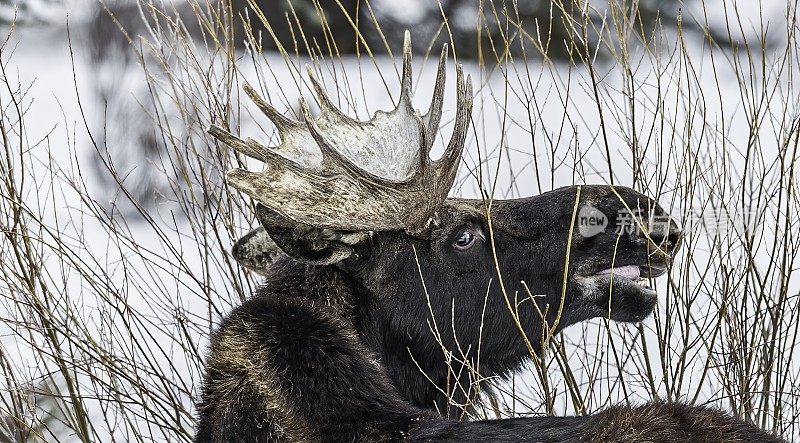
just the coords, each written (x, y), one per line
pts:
(432, 281)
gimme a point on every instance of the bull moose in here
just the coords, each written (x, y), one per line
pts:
(382, 277)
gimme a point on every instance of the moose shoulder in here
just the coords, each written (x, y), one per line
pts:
(371, 320)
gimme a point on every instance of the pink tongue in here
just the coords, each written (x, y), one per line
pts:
(631, 272)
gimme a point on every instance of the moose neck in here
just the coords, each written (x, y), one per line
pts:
(422, 338)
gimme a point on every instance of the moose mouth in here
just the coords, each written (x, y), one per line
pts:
(622, 291)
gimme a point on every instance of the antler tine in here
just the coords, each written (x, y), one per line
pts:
(405, 88)
(248, 148)
(281, 122)
(325, 103)
(433, 117)
(448, 163)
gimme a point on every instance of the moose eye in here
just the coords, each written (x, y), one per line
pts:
(465, 239)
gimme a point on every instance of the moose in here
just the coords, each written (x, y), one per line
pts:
(381, 277)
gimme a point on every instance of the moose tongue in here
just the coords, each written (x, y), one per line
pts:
(630, 272)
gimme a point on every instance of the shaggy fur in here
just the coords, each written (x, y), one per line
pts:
(345, 351)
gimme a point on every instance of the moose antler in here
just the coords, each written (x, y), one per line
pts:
(338, 173)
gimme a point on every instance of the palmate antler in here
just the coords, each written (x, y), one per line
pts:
(338, 173)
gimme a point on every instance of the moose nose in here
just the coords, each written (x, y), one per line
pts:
(665, 233)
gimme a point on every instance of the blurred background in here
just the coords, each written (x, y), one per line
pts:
(115, 223)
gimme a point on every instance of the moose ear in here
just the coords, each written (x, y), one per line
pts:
(306, 243)
(256, 251)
